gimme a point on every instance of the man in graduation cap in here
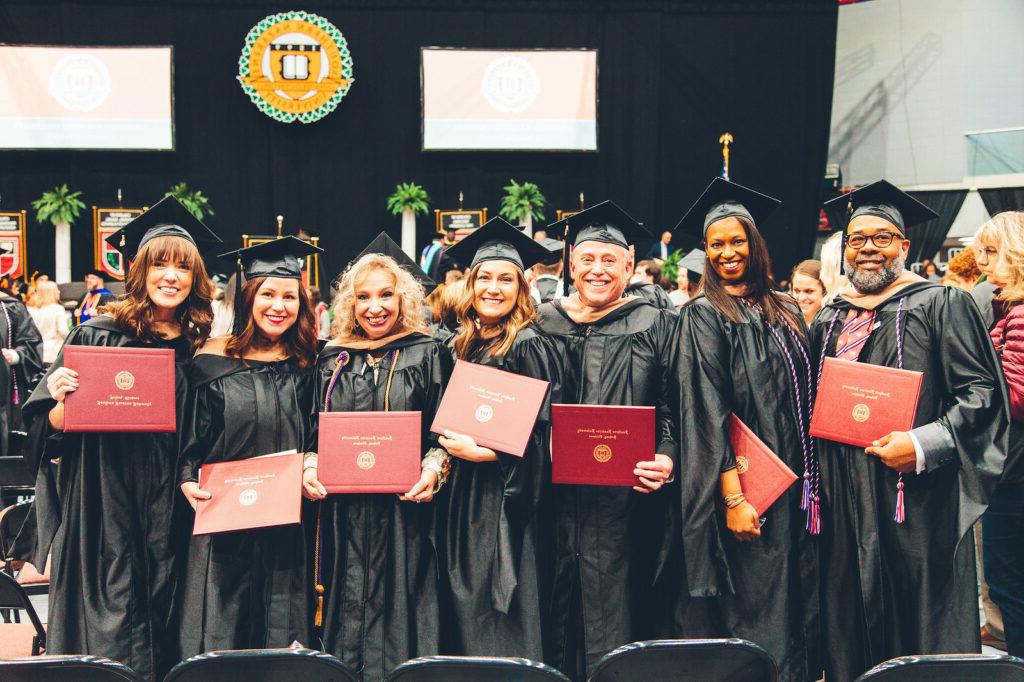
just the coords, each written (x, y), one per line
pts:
(617, 351)
(689, 271)
(897, 563)
(113, 499)
(547, 274)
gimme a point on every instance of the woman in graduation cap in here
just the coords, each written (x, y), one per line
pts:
(743, 351)
(494, 555)
(375, 565)
(110, 514)
(250, 394)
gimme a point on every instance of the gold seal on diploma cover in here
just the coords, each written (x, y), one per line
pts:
(295, 66)
(124, 380)
(602, 453)
(365, 460)
(742, 465)
(861, 412)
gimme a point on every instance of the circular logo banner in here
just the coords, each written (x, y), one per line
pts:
(295, 66)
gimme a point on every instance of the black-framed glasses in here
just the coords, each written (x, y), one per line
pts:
(879, 239)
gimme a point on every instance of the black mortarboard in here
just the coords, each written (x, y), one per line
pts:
(497, 240)
(554, 248)
(604, 222)
(281, 257)
(385, 245)
(886, 201)
(694, 261)
(723, 199)
(166, 218)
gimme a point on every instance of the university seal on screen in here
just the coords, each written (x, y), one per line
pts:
(295, 66)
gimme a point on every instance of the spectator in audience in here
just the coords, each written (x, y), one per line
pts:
(322, 312)
(644, 283)
(224, 310)
(50, 318)
(832, 266)
(807, 288)
(660, 249)
(930, 271)
(96, 295)
(963, 267)
(1000, 253)
(688, 277)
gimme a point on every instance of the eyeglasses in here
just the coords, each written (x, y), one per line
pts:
(879, 239)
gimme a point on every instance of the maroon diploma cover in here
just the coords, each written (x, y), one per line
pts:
(369, 452)
(600, 444)
(763, 476)
(497, 409)
(120, 389)
(858, 403)
(250, 493)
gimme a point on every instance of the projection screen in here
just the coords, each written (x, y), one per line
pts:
(524, 100)
(113, 98)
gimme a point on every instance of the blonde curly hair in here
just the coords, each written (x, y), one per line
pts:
(410, 296)
(1005, 232)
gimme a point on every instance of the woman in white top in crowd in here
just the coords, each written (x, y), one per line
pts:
(50, 318)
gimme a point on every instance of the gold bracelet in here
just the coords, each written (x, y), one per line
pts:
(734, 500)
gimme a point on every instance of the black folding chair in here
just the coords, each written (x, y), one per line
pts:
(11, 520)
(13, 598)
(956, 667)
(474, 669)
(679, 660)
(64, 668)
(261, 665)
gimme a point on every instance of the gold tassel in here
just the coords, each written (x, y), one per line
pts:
(318, 619)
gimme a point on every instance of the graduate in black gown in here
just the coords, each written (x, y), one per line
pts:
(375, 559)
(250, 394)
(111, 513)
(495, 547)
(743, 351)
(897, 557)
(616, 351)
(22, 349)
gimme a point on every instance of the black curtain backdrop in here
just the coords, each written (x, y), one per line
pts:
(673, 76)
(926, 239)
(1002, 199)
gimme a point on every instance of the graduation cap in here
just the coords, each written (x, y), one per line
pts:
(554, 248)
(694, 261)
(498, 240)
(281, 257)
(886, 201)
(723, 199)
(604, 222)
(166, 218)
(385, 245)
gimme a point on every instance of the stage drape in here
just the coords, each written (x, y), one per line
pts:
(926, 239)
(1002, 199)
(673, 76)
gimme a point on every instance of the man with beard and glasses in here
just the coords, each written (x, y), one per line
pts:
(897, 570)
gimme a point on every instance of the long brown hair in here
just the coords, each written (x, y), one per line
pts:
(134, 312)
(759, 282)
(522, 314)
(299, 340)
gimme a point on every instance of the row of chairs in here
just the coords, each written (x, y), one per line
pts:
(728, 660)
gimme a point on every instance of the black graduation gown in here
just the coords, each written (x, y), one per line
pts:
(18, 332)
(607, 538)
(248, 589)
(765, 590)
(653, 293)
(378, 553)
(494, 546)
(893, 589)
(115, 524)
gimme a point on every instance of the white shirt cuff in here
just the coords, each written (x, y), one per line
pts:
(918, 451)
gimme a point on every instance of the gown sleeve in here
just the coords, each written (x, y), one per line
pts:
(195, 439)
(667, 411)
(705, 397)
(29, 345)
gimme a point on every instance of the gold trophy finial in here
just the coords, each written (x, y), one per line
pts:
(280, 224)
(119, 204)
(460, 201)
(725, 140)
(581, 201)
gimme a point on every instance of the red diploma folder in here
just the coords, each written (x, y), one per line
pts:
(250, 493)
(763, 476)
(600, 444)
(120, 389)
(498, 409)
(369, 452)
(859, 403)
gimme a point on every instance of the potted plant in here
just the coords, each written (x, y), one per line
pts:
(408, 200)
(522, 204)
(670, 266)
(60, 207)
(193, 200)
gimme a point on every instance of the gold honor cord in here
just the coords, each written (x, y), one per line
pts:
(318, 618)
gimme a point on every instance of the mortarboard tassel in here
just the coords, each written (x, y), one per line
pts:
(901, 512)
(805, 499)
